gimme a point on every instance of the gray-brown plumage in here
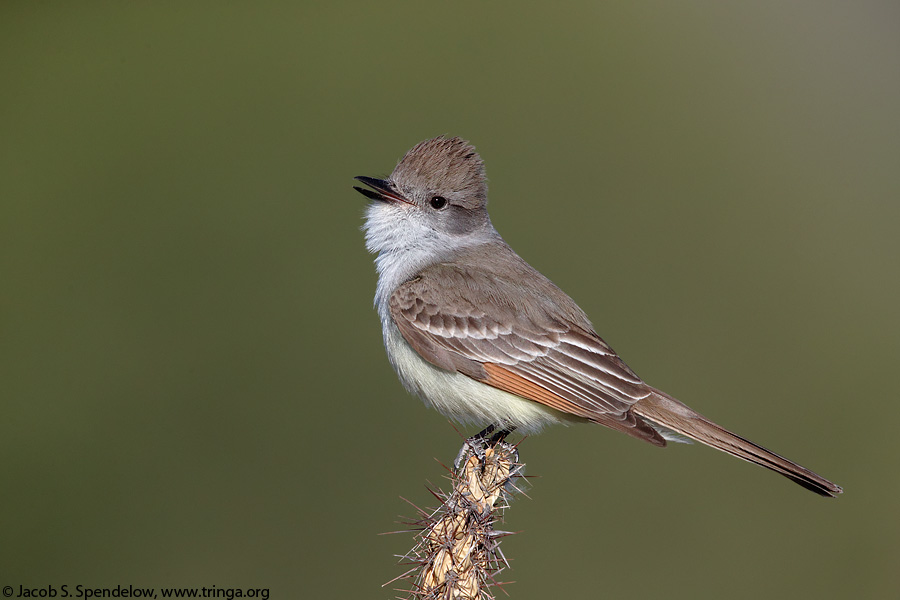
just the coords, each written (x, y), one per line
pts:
(463, 315)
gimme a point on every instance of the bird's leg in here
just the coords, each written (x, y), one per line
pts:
(478, 444)
(502, 434)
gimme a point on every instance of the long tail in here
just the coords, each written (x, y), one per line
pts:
(664, 410)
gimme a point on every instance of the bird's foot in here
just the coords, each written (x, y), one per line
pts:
(478, 444)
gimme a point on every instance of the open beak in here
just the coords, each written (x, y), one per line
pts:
(384, 191)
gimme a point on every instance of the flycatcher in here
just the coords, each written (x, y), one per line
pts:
(482, 337)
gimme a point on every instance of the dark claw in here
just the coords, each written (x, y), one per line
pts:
(478, 444)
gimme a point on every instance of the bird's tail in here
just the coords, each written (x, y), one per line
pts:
(663, 410)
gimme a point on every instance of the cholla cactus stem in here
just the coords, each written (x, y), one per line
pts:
(457, 552)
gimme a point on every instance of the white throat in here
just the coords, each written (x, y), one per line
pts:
(406, 244)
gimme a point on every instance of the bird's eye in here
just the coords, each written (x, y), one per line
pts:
(438, 202)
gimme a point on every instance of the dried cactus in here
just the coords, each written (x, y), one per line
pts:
(457, 554)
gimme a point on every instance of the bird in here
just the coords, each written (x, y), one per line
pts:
(484, 338)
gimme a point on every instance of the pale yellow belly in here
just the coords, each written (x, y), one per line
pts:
(462, 398)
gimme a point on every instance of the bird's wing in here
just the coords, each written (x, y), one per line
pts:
(536, 351)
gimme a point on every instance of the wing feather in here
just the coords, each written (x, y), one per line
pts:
(540, 353)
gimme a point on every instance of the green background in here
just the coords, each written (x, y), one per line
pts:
(194, 389)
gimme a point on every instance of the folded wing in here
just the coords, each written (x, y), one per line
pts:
(534, 352)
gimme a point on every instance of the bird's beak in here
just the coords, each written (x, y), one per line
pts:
(384, 191)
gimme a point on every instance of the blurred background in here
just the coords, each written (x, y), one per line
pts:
(192, 381)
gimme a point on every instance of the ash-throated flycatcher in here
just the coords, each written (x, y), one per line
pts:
(481, 336)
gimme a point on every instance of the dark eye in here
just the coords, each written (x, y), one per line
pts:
(438, 202)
